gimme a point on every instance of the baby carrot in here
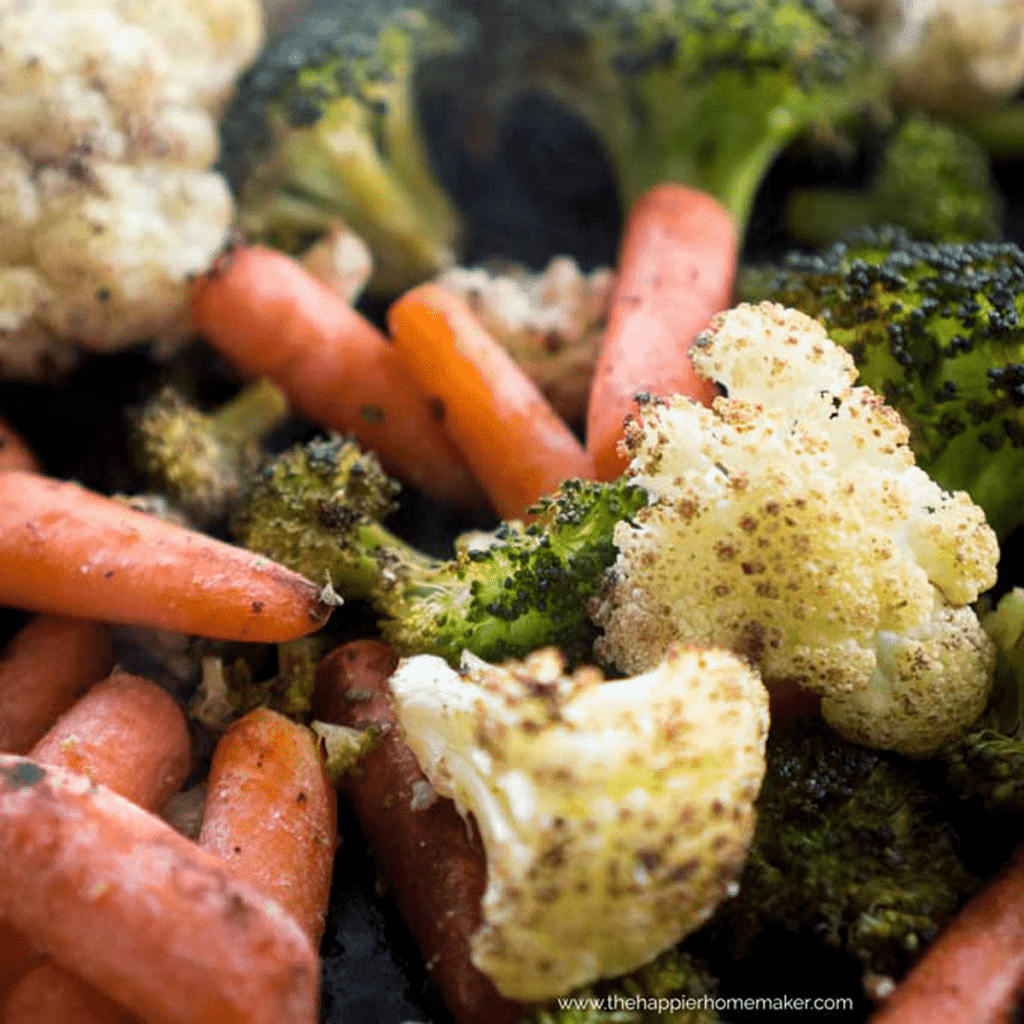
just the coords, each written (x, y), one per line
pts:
(271, 318)
(114, 894)
(271, 814)
(974, 970)
(676, 270)
(517, 445)
(48, 994)
(47, 665)
(69, 551)
(15, 452)
(127, 734)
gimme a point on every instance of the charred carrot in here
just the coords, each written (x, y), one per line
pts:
(15, 452)
(974, 970)
(127, 734)
(434, 866)
(271, 814)
(45, 668)
(66, 550)
(114, 894)
(517, 445)
(271, 318)
(48, 994)
(676, 270)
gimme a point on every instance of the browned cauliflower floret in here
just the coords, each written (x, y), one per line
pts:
(615, 815)
(107, 131)
(789, 523)
(549, 322)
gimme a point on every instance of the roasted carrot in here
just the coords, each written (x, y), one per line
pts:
(517, 445)
(69, 551)
(15, 452)
(271, 814)
(434, 864)
(127, 734)
(48, 994)
(676, 269)
(974, 970)
(114, 894)
(45, 668)
(271, 318)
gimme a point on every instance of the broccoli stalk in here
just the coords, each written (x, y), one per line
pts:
(852, 846)
(318, 508)
(203, 461)
(933, 180)
(705, 93)
(936, 329)
(324, 128)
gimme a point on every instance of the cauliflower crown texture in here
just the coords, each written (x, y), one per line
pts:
(789, 523)
(615, 814)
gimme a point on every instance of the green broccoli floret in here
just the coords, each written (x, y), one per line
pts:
(852, 847)
(201, 461)
(705, 92)
(317, 509)
(324, 127)
(989, 761)
(673, 989)
(933, 180)
(936, 329)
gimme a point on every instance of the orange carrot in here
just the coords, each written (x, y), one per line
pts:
(676, 270)
(271, 318)
(127, 734)
(114, 894)
(271, 814)
(44, 669)
(50, 995)
(15, 452)
(69, 551)
(518, 446)
(974, 970)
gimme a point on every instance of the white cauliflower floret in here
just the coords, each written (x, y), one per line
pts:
(615, 815)
(107, 131)
(789, 523)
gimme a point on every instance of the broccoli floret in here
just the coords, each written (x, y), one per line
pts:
(989, 761)
(324, 127)
(202, 461)
(320, 507)
(933, 180)
(850, 846)
(936, 329)
(705, 92)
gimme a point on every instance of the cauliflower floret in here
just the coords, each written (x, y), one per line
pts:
(615, 815)
(549, 322)
(790, 524)
(107, 131)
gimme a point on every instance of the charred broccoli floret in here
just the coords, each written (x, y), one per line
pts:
(320, 507)
(933, 180)
(324, 128)
(937, 330)
(850, 845)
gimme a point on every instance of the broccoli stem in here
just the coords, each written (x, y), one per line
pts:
(317, 510)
